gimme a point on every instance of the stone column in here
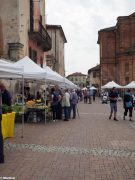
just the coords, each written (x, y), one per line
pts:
(15, 51)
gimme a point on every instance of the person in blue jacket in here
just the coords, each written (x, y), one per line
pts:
(128, 104)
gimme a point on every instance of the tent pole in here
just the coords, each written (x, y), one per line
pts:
(45, 100)
(23, 107)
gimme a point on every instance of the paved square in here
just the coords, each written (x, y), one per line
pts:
(91, 147)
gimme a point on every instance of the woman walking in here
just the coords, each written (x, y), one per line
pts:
(128, 104)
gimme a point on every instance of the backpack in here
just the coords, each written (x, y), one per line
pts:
(55, 98)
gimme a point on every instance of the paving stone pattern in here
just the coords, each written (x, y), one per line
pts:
(91, 147)
(72, 150)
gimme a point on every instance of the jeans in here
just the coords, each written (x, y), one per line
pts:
(55, 112)
(130, 109)
(73, 107)
(113, 107)
(59, 111)
(66, 112)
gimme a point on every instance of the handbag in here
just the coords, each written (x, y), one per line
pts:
(129, 104)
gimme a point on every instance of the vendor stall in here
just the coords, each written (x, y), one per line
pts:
(7, 70)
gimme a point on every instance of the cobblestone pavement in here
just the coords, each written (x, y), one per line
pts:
(91, 147)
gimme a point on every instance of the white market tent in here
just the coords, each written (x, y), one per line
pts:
(130, 85)
(68, 84)
(3, 61)
(110, 85)
(58, 79)
(9, 70)
(31, 69)
(93, 88)
(52, 75)
(83, 89)
(34, 71)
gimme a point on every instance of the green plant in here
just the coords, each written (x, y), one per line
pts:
(6, 109)
(17, 108)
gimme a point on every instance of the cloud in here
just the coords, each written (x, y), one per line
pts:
(81, 20)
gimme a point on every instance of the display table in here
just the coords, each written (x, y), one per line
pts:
(36, 113)
(8, 125)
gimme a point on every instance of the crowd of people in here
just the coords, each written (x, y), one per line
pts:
(63, 103)
(88, 95)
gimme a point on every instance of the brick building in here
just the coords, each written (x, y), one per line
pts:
(55, 57)
(117, 51)
(23, 31)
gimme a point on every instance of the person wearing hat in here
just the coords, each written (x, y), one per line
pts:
(113, 97)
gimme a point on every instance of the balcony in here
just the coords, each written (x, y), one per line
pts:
(39, 34)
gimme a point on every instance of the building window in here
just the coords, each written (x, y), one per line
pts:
(30, 52)
(41, 62)
(34, 57)
(31, 15)
(127, 80)
(127, 67)
(94, 74)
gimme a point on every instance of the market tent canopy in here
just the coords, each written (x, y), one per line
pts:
(9, 70)
(52, 75)
(110, 85)
(83, 89)
(68, 84)
(130, 85)
(31, 69)
(92, 87)
(4, 61)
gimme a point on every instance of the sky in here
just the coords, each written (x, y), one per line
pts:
(81, 20)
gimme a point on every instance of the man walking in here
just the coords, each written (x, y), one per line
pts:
(113, 96)
(73, 102)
